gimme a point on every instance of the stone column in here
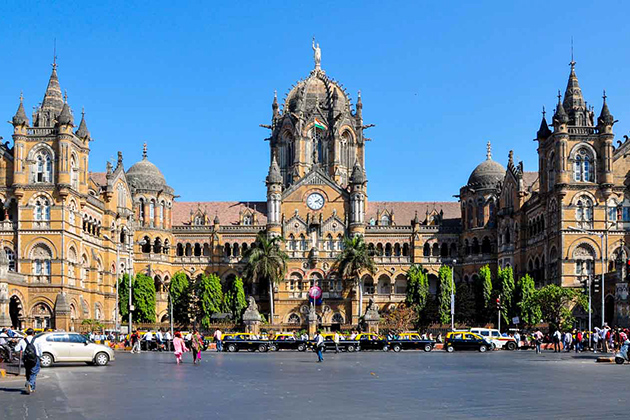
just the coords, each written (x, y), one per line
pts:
(5, 319)
(251, 317)
(62, 312)
(312, 322)
(372, 318)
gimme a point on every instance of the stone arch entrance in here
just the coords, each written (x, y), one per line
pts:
(42, 316)
(16, 312)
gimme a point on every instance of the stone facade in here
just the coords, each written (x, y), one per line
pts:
(69, 233)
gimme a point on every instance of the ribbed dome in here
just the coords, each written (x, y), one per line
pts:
(487, 174)
(317, 90)
(145, 175)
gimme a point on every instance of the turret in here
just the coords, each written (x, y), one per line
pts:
(560, 118)
(359, 110)
(357, 199)
(20, 121)
(543, 132)
(274, 106)
(82, 132)
(65, 120)
(605, 123)
(274, 198)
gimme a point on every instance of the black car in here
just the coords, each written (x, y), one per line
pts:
(244, 341)
(371, 341)
(410, 341)
(466, 341)
(287, 342)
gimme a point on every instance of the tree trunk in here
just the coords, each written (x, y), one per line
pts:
(360, 311)
(271, 302)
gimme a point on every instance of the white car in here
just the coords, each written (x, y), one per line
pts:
(495, 337)
(72, 347)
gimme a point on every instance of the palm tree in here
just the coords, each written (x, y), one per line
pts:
(266, 261)
(355, 258)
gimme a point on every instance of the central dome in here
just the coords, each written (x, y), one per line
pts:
(487, 174)
(144, 175)
(316, 91)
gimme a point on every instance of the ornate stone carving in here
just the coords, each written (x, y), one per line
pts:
(371, 312)
(251, 313)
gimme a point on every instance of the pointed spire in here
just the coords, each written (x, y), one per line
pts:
(573, 100)
(144, 151)
(489, 151)
(274, 104)
(65, 117)
(108, 170)
(358, 176)
(120, 159)
(560, 116)
(605, 117)
(216, 218)
(415, 220)
(53, 100)
(543, 131)
(511, 158)
(83, 132)
(20, 116)
(274, 177)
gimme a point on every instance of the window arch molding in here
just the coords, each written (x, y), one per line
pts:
(583, 158)
(41, 158)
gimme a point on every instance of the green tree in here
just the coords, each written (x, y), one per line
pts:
(417, 287)
(353, 259)
(483, 294)
(464, 303)
(180, 291)
(444, 295)
(528, 310)
(123, 296)
(144, 299)
(556, 304)
(506, 281)
(209, 298)
(266, 261)
(234, 299)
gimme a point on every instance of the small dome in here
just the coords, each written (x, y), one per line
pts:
(144, 175)
(488, 173)
(316, 91)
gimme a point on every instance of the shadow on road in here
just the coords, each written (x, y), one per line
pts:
(20, 390)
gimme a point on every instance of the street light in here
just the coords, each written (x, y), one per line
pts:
(601, 236)
(453, 296)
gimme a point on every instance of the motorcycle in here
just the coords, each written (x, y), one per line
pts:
(622, 356)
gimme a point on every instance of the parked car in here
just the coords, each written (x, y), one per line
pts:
(410, 341)
(494, 336)
(287, 341)
(244, 341)
(370, 341)
(466, 341)
(72, 347)
(344, 343)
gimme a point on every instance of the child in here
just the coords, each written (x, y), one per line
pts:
(179, 346)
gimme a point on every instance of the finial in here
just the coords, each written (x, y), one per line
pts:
(559, 95)
(120, 159)
(65, 96)
(511, 157)
(544, 112)
(572, 63)
(489, 151)
(359, 94)
(21, 97)
(275, 94)
(54, 64)
(604, 96)
(144, 151)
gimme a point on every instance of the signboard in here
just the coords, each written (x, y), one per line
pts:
(516, 320)
(315, 295)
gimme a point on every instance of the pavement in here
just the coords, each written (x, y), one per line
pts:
(291, 385)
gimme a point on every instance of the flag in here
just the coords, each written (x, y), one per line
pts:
(319, 124)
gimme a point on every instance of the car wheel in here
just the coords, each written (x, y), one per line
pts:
(262, 348)
(511, 345)
(396, 348)
(273, 347)
(351, 348)
(483, 348)
(232, 348)
(450, 349)
(46, 360)
(101, 359)
(301, 347)
(619, 360)
(428, 347)
(385, 347)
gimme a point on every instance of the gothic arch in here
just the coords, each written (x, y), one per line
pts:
(42, 241)
(583, 241)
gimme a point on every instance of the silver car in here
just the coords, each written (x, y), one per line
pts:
(72, 347)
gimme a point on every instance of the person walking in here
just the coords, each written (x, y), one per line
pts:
(168, 341)
(595, 338)
(159, 340)
(556, 341)
(179, 347)
(196, 341)
(538, 337)
(319, 346)
(135, 342)
(336, 339)
(517, 338)
(218, 337)
(30, 352)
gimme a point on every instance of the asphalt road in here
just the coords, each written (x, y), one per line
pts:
(291, 385)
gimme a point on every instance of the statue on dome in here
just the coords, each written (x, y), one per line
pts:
(317, 55)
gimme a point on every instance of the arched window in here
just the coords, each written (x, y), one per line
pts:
(188, 250)
(85, 267)
(426, 250)
(397, 250)
(247, 220)
(198, 220)
(551, 171)
(228, 250)
(384, 285)
(453, 250)
(74, 172)
(584, 257)
(151, 213)
(444, 250)
(385, 221)
(294, 319)
(302, 243)
(42, 209)
(485, 245)
(400, 285)
(475, 246)
(141, 212)
(161, 215)
(43, 167)
(291, 243)
(180, 250)
(584, 166)
(470, 214)
(41, 256)
(388, 250)
(10, 258)
(491, 216)
(480, 221)
(368, 285)
(435, 250)
(584, 212)
(466, 247)
(146, 245)
(197, 250)
(337, 318)
(122, 195)
(405, 250)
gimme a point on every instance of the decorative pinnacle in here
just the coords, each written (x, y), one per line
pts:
(572, 63)
(21, 97)
(604, 95)
(54, 64)
(489, 151)
(559, 95)
(544, 112)
(144, 150)
(65, 96)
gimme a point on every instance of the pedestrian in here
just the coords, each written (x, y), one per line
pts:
(578, 341)
(30, 352)
(538, 337)
(179, 346)
(218, 338)
(319, 346)
(556, 341)
(135, 342)
(517, 337)
(196, 341)
(159, 340)
(168, 338)
(336, 339)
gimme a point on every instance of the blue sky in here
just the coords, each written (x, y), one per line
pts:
(195, 79)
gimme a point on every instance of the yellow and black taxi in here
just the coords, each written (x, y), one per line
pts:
(234, 342)
(371, 341)
(410, 341)
(287, 341)
(344, 343)
(461, 340)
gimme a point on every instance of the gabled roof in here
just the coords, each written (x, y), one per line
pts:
(228, 211)
(317, 176)
(405, 211)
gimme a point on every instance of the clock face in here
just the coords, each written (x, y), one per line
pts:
(315, 201)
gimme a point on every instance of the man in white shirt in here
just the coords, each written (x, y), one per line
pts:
(319, 346)
(30, 352)
(148, 337)
(336, 339)
(218, 337)
(168, 339)
(159, 340)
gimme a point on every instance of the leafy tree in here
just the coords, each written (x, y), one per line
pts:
(180, 293)
(483, 294)
(417, 287)
(144, 299)
(528, 309)
(444, 296)
(234, 299)
(266, 261)
(402, 318)
(464, 303)
(556, 304)
(430, 313)
(353, 259)
(209, 298)
(123, 296)
(506, 280)
(93, 325)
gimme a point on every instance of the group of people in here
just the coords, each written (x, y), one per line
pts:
(196, 346)
(602, 339)
(151, 340)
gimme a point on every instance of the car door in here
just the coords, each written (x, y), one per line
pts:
(59, 345)
(80, 351)
(459, 342)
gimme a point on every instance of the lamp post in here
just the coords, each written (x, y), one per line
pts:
(453, 296)
(601, 237)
